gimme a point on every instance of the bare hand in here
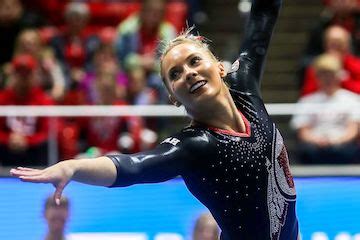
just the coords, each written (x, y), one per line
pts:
(59, 175)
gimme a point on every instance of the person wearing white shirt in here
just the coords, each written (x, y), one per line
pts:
(329, 129)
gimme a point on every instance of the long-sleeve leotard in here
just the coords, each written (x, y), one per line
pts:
(242, 178)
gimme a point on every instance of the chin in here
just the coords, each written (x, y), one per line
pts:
(209, 95)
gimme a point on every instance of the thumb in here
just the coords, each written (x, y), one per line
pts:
(58, 193)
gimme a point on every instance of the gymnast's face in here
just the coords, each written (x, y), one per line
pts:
(192, 76)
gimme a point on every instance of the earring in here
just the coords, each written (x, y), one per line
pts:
(176, 103)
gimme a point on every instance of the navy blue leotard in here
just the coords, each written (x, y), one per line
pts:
(242, 178)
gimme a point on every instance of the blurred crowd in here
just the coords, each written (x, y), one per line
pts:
(99, 52)
(62, 52)
(329, 80)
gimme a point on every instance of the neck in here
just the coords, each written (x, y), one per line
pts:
(222, 113)
(331, 91)
(21, 92)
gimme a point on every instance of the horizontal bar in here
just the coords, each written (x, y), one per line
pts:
(153, 110)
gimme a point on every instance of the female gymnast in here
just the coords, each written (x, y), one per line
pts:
(231, 157)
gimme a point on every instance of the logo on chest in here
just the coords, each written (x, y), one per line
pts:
(173, 141)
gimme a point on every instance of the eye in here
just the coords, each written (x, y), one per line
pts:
(174, 74)
(194, 60)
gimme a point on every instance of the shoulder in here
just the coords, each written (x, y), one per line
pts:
(188, 138)
(312, 97)
(4, 96)
(42, 98)
(348, 95)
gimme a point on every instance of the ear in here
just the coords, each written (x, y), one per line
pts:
(222, 69)
(174, 101)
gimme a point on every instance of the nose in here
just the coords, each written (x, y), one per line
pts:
(190, 73)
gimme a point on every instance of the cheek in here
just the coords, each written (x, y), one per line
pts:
(176, 88)
(211, 69)
(208, 65)
(171, 86)
(179, 90)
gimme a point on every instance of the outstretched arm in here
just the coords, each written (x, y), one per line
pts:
(160, 164)
(164, 162)
(98, 171)
(257, 36)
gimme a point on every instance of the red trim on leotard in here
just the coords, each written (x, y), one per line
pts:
(247, 132)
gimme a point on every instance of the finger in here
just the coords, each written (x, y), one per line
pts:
(13, 172)
(19, 169)
(18, 173)
(27, 169)
(34, 179)
(58, 193)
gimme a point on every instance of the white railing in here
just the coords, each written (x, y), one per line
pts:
(278, 109)
(274, 109)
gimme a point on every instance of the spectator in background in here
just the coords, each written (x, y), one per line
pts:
(23, 140)
(72, 136)
(344, 13)
(75, 46)
(138, 41)
(206, 228)
(336, 12)
(138, 93)
(51, 10)
(108, 134)
(56, 216)
(13, 19)
(328, 135)
(337, 41)
(103, 132)
(49, 73)
(104, 61)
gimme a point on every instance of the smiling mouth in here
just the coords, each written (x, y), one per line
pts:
(197, 86)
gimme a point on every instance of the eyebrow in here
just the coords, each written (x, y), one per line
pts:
(174, 67)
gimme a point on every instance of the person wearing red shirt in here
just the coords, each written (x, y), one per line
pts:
(337, 41)
(103, 132)
(138, 43)
(75, 45)
(23, 140)
(107, 134)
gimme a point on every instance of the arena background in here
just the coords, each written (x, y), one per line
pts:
(328, 196)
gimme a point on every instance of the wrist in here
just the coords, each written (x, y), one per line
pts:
(70, 167)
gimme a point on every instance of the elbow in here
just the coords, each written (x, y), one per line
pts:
(127, 170)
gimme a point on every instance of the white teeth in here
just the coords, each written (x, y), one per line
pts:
(197, 85)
